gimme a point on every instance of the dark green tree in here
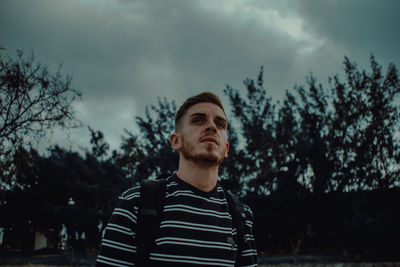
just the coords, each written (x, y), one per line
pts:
(290, 166)
(32, 101)
(231, 169)
(378, 147)
(62, 188)
(343, 138)
(313, 139)
(256, 116)
(149, 154)
(348, 136)
(99, 146)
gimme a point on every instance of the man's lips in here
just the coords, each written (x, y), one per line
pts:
(209, 139)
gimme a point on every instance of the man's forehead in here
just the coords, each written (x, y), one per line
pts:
(208, 109)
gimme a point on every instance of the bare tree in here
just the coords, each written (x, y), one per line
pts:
(32, 99)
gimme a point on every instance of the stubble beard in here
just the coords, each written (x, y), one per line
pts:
(206, 158)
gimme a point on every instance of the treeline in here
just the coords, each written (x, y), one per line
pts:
(353, 226)
(344, 138)
(316, 142)
(338, 139)
(60, 191)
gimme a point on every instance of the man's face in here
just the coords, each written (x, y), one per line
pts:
(202, 135)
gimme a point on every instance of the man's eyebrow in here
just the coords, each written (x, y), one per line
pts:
(198, 115)
(203, 115)
(219, 118)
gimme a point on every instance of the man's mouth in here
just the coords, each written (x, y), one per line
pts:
(210, 139)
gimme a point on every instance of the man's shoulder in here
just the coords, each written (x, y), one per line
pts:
(241, 206)
(248, 212)
(247, 209)
(133, 193)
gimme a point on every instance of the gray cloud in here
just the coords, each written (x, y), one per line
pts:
(361, 27)
(123, 54)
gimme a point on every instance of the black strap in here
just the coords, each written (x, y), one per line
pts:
(151, 203)
(238, 220)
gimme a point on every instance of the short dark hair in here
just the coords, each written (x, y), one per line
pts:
(205, 97)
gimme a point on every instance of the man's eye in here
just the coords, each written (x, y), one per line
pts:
(197, 121)
(221, 125)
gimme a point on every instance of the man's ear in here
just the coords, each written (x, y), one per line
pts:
(175, 140)
(227, 149)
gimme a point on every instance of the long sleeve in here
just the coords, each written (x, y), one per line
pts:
(119, 246)
(248, 255)
(196, 229)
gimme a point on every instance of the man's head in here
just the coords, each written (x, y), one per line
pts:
(201, 130)
(205, 97)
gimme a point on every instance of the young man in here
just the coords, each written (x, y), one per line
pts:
(196, 228)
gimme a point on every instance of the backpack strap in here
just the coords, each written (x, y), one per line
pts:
(238, 219)
(151, 203)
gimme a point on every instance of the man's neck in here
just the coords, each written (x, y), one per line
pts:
(200, 176)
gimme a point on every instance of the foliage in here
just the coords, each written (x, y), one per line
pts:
(349, 134)
(290, 165)
(230, 171)
(256, 115)
(99, 146)
(32, 101)
(32, 98)
(318, 142)
(63, 188)
(149, 154)
(353, 226)
(344, 138)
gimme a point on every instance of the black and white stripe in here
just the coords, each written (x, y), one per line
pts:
(196, 230)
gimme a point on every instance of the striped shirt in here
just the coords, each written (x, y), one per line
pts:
(196, 230)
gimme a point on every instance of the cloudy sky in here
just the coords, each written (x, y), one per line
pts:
(124, 54)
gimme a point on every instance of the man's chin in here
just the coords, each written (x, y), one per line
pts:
(208, 159)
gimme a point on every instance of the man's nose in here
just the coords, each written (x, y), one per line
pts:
(211, 127)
